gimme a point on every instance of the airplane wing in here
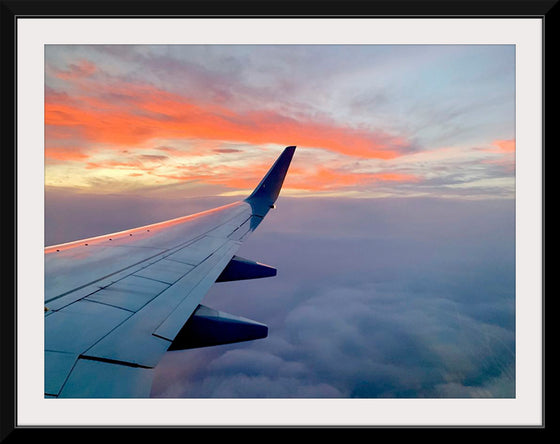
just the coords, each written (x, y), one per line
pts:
(114, 304)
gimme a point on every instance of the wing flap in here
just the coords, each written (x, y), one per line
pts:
(57, 367)
(117, 381)
(80, 325)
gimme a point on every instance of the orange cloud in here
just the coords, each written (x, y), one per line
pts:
(230, 176)
(506, 150)
(501, 146)
(64, 154)
(324, 179)
(316, 179)
(133, 114)
(129, 118)
(507, 146)
(396, 177)
(310, 177)
(114, 164)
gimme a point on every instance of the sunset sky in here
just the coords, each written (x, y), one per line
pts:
(369, 121)
(394, 236)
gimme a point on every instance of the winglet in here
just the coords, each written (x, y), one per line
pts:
(266, 193)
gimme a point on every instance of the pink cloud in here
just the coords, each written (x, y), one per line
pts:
(130, 114)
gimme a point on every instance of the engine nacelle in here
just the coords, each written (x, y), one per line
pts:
(239, 269)
(207, 327)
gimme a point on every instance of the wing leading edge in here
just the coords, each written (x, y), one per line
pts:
(115, 304)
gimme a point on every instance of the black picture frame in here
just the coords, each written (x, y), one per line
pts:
(13, 10)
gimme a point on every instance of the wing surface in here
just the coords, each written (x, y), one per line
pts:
(114, 304)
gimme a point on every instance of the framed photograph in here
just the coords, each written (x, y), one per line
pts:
(383, 168)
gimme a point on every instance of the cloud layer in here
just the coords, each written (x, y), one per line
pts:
(408, 298)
